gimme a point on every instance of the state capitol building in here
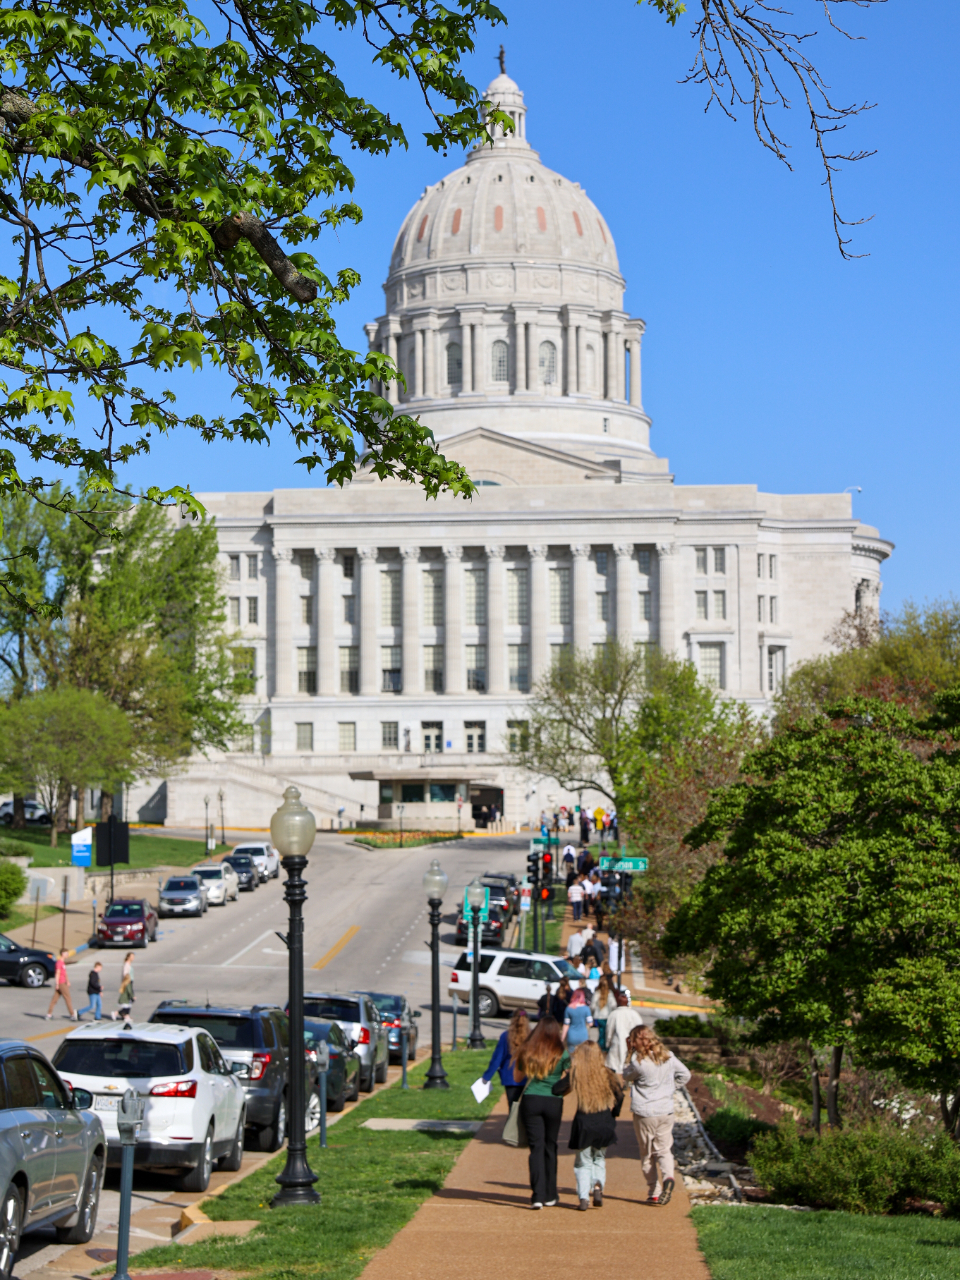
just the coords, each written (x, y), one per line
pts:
(394, 640)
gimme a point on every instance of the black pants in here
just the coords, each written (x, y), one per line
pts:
(513, 1092)
(541, 1117)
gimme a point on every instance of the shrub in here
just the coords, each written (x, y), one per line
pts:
(684, 1025)
(10, 848)
(872, 1169)
(13, 883)
(733, 1126)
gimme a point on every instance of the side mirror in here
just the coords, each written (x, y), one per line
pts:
(82, 1100)
(418, 1013)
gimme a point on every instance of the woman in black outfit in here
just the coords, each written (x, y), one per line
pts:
(543, 1060)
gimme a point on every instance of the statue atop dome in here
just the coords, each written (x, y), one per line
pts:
(502, 59)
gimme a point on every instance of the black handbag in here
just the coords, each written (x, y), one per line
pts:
(562, 1087)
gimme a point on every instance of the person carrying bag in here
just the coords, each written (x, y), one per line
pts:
(599, 1097)
(543, 1061)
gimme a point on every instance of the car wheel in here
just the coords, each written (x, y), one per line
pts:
(86, 1223)
(11, 1220)
(338, 1103)
(234, 1158)
(488, 1004)
(143, 942)
(354, 1095)
(366, 1082)
(311, 1119)
(198, 1179)
(33, 975)
(271, 1138)
(381, 1071)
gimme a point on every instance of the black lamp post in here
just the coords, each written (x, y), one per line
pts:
(292, 829)
(476, 899)
(434, 884)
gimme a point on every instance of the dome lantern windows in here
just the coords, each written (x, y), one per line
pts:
(499, 362)
(454, 364)
(548, 363)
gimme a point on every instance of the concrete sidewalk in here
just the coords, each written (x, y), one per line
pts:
(481, 1222)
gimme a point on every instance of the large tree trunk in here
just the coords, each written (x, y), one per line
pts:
(106, 805)
(19, 821)
(950, 1111)
(833, 1087)
(61, 815)
(815, 1088)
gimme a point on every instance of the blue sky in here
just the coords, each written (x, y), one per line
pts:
(767, 358)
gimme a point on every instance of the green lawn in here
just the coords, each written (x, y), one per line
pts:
(371, 1185)
(757, 1243)
(145, 850)
(552, 930)
(24, 915)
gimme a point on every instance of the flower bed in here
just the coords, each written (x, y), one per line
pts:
(392, 839)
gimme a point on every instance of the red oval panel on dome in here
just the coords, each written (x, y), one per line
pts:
(576, 219)
(541, 219)
(602, 232)
(423, 227)
(457, 213)
(498, 218)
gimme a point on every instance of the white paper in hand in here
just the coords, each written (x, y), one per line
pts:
(480, 1089)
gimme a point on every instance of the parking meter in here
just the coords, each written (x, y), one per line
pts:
(130, 1117)
(323, 1065)
(129, 1120)
(323, 1056)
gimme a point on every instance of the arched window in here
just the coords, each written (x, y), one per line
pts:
(454, 364)
(499, 363)
(548, 363)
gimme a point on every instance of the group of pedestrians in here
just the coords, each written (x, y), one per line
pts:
(94, 1005)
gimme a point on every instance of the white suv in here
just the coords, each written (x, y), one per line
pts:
(265, 857)
(194, 1108)
(220, 880)
(510, 979)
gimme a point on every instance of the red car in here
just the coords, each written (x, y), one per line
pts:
(127, 922)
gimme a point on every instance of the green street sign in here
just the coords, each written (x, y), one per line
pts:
(468, 911)
(634, 865)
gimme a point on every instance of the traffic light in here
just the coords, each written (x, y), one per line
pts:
(547, 866)
(533, 867)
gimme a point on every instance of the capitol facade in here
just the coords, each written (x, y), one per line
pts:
(393, 640)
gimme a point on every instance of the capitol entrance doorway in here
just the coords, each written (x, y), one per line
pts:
(483, 802)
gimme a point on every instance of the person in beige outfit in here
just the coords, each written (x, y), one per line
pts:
(653, 1073)
(620, 1023)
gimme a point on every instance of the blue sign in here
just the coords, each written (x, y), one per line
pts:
(81, 843)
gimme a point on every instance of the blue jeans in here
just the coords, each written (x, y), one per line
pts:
(95, 1006)
(589, 1168)
(577, 909)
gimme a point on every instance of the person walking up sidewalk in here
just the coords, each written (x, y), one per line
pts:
(575, 898)
(127, 996)
(543, 1060)
(653, 1073)
(61, 986)
(577, 1020)
(620, 1023)
(95, 994)
(504, 1058)
(599, 1097)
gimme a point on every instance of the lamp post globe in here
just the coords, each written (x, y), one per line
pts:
(292, 829)
(434, 886)
(476, 901)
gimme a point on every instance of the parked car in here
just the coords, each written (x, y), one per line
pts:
(193, 1104)
(509, 979)
(359, 1017)
(127, 922)
(33, 811)
(509, 880)
(256, 1044)
(183, 896)
(248, 874)
(52, 1153)
(491, 929)
(500, 895)
(220, 881)
(266, 857)
(397, 1017)
(28, 966)
(343, 1073)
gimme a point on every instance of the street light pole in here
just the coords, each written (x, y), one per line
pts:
(223, 829)
(400, 815)
(476, 898)
(434, 884)
(292, 829)
(206, 825)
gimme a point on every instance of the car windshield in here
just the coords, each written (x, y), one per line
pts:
(388, 1004)
(332, 1007)
(239, 860)
(124, 910)
(252, 853)
(229, 1033)
(209, 873)
(188, 884)
(133, 1058)
(314, 1031)
(566, 969)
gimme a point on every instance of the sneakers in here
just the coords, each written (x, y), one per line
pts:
(584, 1206)
(653, 1200)
(598, 1196)
(49, 1016)
(548, 1204)
(667, 1191)
(536, 1205)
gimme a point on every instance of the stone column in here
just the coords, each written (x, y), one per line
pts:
(616, 367)
(283, 642)
(326, 621)
(635, 396)
(666, 591)
(581, 370)
(533, 364)
(567, 357)
(430, 358)
(410, 588)
(539, 604)
(479, 354)
(581, 598)
(466, 346)
(369, 620)
(452, 621)
(416, 387)
(625, 585)
(520, 353)
(393, 333)
(496, 650)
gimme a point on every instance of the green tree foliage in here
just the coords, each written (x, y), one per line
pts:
(13, 884)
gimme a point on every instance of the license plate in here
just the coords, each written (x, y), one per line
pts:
(101, 1103)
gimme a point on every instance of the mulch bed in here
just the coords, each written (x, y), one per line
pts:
(760, 1105)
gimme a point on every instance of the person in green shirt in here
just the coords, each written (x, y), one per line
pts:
(543, 1060)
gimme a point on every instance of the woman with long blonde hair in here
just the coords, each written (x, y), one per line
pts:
(654, 1074)
(602, 1004)
(504, 1058)
(543, 1060)
(599, 1097)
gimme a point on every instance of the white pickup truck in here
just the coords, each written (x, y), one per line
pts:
(265, 857)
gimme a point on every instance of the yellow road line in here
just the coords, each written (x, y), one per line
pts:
(667, 1004)
(45, 1035)
(337, 947)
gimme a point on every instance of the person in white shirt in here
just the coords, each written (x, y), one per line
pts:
(575, 945)
(575, 897)
(620, 1023)
(654, 1074)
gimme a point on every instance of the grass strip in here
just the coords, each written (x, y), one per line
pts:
(757, 1243)
(391, 839)
(371, 1184)
(145, 851)
(20, 915)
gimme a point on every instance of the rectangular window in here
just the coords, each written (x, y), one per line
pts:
(719, 559)
(773, 567)
(603, 606)
(349, 669)
(701, 605)
(643, 561)
(646, 606)
(392, 681)
(477, 667)
(443, 792)
(306, 610)
(304, 561)
(234, 611)
(305, 737)
(389, 740)
(560, 653)
(244, 741)
(348, 563)
(433, 597)
(759, 565)
(761, 608)
(390, 615)
(517, 735)
(518, 600)
(774, 611)
(432, 737)
(711, 665)
(350, 610)
(775, 667)
(560, 597)
(518, 663)
(602, 562)
(601, 649)
(252, 566)
(347, 735)
(433, 668)
(701, 559)
(411, 792)
(476, 735)
(386, 793)
(234, 568)
(245, 663)
(307, 669)
(719, 604)
(253, 610)
(475, 597)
